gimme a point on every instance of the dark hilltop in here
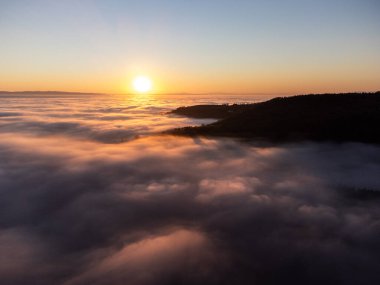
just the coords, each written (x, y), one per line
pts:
(316, 117)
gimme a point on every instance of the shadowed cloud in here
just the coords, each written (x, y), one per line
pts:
(162, 210)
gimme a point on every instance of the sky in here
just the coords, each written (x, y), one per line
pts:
(198, 46)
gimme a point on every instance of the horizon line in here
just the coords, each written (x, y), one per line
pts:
(181, 93)
(163, 93)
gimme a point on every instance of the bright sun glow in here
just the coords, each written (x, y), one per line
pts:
(142, 84)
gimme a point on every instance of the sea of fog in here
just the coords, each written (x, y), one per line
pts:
(91, 192)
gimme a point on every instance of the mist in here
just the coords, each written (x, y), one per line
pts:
(159, 209)
(167, 210)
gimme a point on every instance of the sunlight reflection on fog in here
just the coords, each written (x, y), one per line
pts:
(105, 118)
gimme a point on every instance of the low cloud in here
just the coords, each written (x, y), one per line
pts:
(181, 254)
(169, 210)
(210, 189)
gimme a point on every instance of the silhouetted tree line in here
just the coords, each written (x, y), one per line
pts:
(211, 111)
(336, 117)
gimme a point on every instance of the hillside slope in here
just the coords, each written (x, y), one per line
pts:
(336, 117)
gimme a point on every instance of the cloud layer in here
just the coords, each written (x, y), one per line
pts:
(168, 210)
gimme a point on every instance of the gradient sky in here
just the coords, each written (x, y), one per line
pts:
(198, 46)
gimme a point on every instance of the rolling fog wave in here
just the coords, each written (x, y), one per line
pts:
(78, 209)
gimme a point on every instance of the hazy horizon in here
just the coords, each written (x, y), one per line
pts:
(185, 93)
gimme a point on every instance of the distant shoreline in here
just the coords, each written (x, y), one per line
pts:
(169, 93)
(57, 92)
(47, 93)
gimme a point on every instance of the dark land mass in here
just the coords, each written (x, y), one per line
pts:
(212, 111)
(359, 194)
(316, 117)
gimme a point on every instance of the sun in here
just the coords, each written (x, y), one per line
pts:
(142, 84)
